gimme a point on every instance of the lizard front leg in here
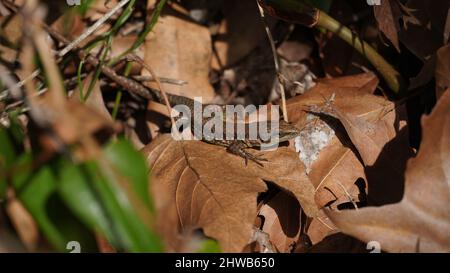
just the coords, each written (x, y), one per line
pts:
(238, 147)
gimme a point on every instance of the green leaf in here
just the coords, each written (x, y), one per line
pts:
(98, 196)
(84, 7)
(80, 195)
(210, 246)
(22, 172)
(7, 156)
(10, 140)
(54, 219)
(131, 164)
(7, 153)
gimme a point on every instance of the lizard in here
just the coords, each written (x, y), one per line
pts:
(286, 130)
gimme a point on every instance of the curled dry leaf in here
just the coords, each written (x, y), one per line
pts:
(335, 169)
(198, 185)
(384, 148)
(281, 221)
(421, 221)
(331, 161)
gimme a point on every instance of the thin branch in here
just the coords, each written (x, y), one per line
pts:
(92, 29)
(276, 62)
(350, 198)
(133, 57)
(149, 78)
(69, 47)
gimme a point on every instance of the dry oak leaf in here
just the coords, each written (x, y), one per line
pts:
(370, 122)
(198, 185)
(180, 49)
(384, 149)
(349, 91)
(336, 170)
(421, 221)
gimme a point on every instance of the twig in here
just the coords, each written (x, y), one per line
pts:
(71, 45)
(302, 12)
(350, 198)
(133, 57)
(38, 114)
(42, 91)
(10, 82)
(57, 94)
(325, 224)
(20, 84)
(92, 28)
(127, 83)
(276, 62)
(150, 78)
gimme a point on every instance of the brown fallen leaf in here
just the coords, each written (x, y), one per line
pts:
(388, 15)
(281, 221)
(95, 99)
(78, 121)
(23, 222)
(198, 185)
(352, 91)
(324, 149)
(442, 70)
(319, 228)
(333, 165)
(65, 121)
(385, 163)
(421, 221)
(180, 49)
(364, 82)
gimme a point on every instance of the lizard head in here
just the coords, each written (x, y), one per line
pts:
(284, 132)
(287, 131)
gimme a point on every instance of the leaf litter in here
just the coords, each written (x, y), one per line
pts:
(355, 173)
